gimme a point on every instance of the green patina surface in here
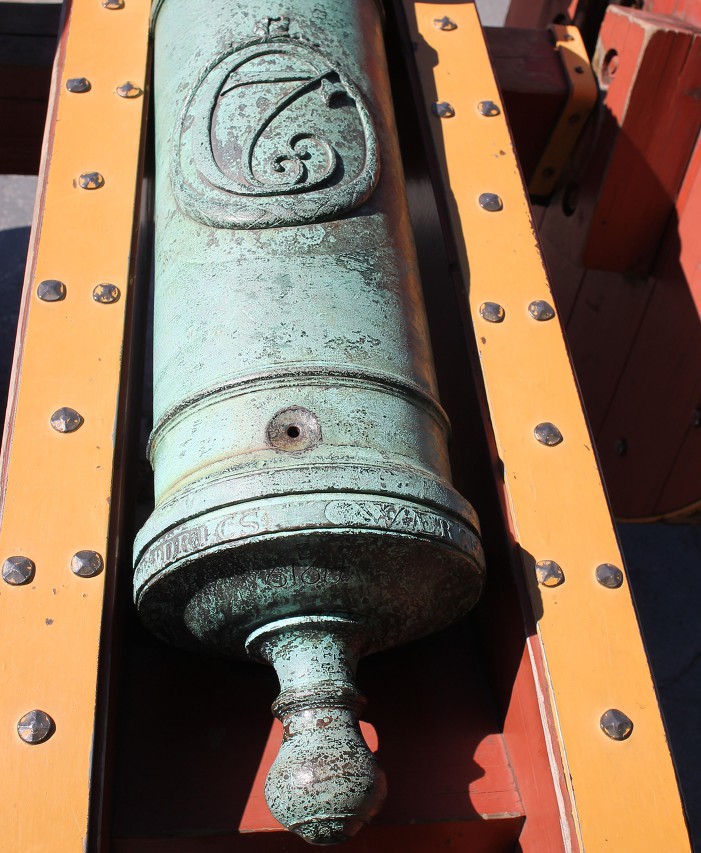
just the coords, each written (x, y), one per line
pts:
(303, 501)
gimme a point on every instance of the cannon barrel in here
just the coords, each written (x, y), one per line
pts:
(304, 513)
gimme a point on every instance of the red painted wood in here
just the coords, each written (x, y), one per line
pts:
(683, 485)
(659, 120)
(565, 276)
(601, 330)
(535, 13)
(660, 388)
(686, 10)
(518, 678)
(192, 750)
(491, 796)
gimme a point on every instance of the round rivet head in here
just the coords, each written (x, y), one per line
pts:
(86, 564)
(35, 727)
(445, 23)
(491, 202)
(541, 310)
(129, 90)
(17, 570)
(78, 85)
(492, 312)
(105, 293)
(113, 4)
(443, 109)
(488, 108)
(51, 290)
(549, 573)
(91, 181)
(609, 576)
(616, 724)
(66, 419)
(548, 434)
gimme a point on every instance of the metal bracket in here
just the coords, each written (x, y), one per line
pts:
(583, 94)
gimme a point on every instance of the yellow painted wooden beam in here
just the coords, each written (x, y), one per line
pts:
(57, 486)
(623, 793)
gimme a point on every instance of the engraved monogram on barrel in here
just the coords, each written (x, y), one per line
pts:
(191, 538)
(274, 134)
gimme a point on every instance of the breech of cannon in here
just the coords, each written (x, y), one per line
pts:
(304, 511)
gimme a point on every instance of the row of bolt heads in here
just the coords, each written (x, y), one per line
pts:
(442, 108)
(548, 572)
(37, 726)
(80, 86)
(52, 290)
(19, 570)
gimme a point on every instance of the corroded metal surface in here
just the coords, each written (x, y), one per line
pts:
(303, 501)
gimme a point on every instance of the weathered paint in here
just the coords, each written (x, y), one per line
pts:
(299, 449)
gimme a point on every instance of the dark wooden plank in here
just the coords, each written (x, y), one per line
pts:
(32, 19)
(28, 36)
(533, 86)
(683, 485)
(601, 330)
(484, 836)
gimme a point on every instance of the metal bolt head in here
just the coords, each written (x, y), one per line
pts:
(488, 108)
(86, 564)
(17, 570)
(616, 724)
(91, 181)
(609, 576)
(51, 290)
(549, 573)
(548, 434)
(443, 109)
(113, 4)
(66, 419)
(78, 85)
(129, 90)
(106, 293)
(35, 727)
(492, 312)
(541, 310)
(445, 23)
(491, 202)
